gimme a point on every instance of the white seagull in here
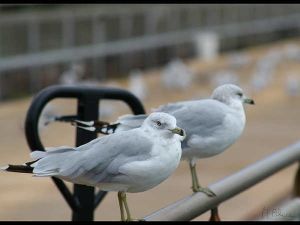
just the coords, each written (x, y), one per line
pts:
(130, 161)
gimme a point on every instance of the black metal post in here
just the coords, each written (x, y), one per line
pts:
(87, 109)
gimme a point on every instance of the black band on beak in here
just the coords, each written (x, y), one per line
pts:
(178, 131)
(181, 133)
(249, 101)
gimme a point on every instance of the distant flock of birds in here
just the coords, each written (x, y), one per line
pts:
(177, 76)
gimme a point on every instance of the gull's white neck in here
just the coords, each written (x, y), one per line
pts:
(233, 103)
(237, 106)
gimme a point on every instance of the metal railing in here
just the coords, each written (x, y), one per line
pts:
(148, 42)
(196, 204)
(115, 40)
(218, 20)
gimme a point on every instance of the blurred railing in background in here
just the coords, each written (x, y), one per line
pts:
(114, 39)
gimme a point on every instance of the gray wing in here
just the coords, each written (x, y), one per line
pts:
(172, 107)
(128, 122)
(98, 160)
(201, 117)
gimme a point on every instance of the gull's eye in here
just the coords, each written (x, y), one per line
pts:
(158, 123)
(240, 94)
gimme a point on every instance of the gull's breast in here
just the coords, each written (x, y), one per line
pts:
(149, 173)
(219, 141)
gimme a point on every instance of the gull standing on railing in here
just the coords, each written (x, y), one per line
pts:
(132, 161)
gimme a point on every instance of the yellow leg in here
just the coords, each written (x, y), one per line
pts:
(195, 183)
(214, 216)
(121, 206)
(123, 196)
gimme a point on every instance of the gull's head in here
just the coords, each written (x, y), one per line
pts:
(163, 124)
(231, 94)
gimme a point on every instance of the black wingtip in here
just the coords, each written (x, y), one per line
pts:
(18, 168)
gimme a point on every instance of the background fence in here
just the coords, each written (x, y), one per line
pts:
(37, 45)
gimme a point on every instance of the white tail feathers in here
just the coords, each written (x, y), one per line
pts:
(51, 163)
(37, 154)
(41, 154)
(44, 175)
(87, 128)
(87, 123)
(57, 148)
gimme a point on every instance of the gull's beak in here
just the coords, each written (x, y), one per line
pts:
(249, 101)
(178, 131)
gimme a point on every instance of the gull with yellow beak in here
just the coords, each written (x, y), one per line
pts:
(130, 161)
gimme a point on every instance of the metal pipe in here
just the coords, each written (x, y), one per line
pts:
(98, 198)
(143, 43)
(196, 204)
(68, 30)
(84, 12)
(99, 35)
